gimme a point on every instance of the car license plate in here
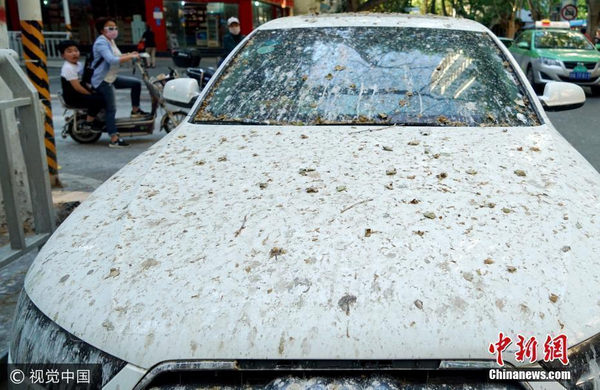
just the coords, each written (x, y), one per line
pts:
(579, 75)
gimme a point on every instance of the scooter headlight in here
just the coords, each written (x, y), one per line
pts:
(584, 365)
(39, 343)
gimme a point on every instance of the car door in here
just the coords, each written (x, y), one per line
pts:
(521, 49)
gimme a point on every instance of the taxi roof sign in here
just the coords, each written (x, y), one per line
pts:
(549, 24)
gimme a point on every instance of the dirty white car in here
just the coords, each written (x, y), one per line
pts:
(355, 201)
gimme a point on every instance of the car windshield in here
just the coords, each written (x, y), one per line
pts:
(366, 75)
(561, 40)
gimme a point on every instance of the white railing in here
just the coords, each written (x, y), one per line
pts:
(51, 38)
(30, 127)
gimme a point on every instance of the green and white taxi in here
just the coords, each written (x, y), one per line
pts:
(552, 52)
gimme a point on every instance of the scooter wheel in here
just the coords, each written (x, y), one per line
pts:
(168, 124)
(84, 137)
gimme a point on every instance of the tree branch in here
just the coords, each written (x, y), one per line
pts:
(370, 4)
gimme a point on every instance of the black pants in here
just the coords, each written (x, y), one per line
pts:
(93, 103)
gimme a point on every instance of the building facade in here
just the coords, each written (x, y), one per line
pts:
(177, 24)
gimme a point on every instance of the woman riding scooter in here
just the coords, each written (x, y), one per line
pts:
(105, 79)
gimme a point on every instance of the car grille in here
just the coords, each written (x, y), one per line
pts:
(347, 382)
(573, 64)
(349, 375)
(569, 80)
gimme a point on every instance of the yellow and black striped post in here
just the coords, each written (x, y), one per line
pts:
(35, 63)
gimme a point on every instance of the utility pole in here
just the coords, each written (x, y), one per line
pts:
(67, 17)
(34, 52)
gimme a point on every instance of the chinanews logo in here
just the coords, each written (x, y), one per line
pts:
(555, 348)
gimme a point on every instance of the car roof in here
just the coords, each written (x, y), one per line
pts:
(547, 29)
(373, 20)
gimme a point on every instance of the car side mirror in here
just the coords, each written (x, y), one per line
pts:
(598, 46)
(559, 96)
(181, 92)
(523, 45)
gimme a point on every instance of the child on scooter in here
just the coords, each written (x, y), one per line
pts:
(74, 93)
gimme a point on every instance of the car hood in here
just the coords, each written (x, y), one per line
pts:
(570, 55)
(330, 243)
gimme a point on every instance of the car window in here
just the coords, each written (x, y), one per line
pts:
(365, 75)
(561, 40)
(524, 37)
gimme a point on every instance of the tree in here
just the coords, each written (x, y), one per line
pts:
(535, 6)
(369, 5)
(593, 17)
(392, 6)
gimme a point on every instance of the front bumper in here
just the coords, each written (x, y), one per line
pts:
(326, 374)
(37, 341)
(544, 73)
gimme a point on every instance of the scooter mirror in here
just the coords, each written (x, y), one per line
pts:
(181, 92)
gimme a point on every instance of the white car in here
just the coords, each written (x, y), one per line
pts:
(355, 201)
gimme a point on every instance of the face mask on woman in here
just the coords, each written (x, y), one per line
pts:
(234, 30)
(111, 32)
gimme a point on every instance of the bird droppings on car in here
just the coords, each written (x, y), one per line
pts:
(114, 272)
(275, 251)
(346, 302)
(149, 263)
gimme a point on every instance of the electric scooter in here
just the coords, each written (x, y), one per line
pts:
(127, 126)
(190, 59)
(200, 75)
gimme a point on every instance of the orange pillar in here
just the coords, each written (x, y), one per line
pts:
(155, 17)
(245, 16)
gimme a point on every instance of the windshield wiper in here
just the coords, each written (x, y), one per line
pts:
(400, 124)
(231, 122)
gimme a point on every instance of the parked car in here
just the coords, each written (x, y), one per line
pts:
(361, 201)
(506, 41)
(555, 53)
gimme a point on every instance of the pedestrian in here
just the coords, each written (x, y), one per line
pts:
(584, 32)
(150, 45)
(73, 92)
(105, 79)
(232, 37)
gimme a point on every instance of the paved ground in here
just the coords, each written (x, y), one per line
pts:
(581, 128)
(84, 167)
(12, 281)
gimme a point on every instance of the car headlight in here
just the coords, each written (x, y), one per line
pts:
(584, 365)
(39, 343)
(550, 61)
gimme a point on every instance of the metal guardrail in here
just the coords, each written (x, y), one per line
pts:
(51, 38)
(31, 131)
